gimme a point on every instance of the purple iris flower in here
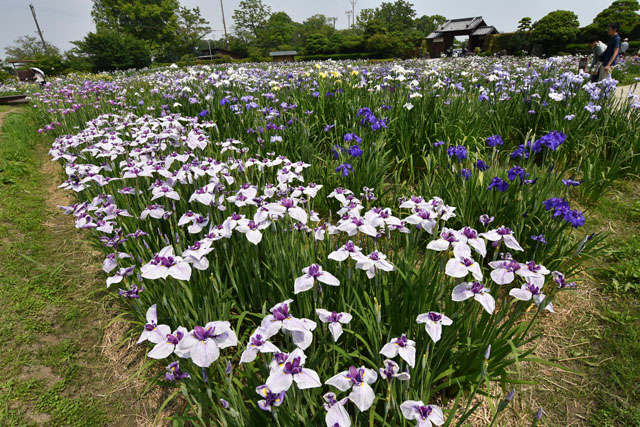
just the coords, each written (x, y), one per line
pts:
(312, 274)
(336, 415)
(174, 373)
(334, 319)
(459, 151)
(553, 140)
(539, 238)
(571, 182)
(425, 415)
(348, 137)
(477, 291)
(499, 184)
(166, 347)
(345, 168)
(575, 218)
(494, 141)
(433, 323)
(327, 128)
(292, 371)
(358, 380)
(515, 172)
(204, 343)
(561, 281)
(559, 206)
(466, 173)
(355, 151)
(481, 165)
(391, 370)
(133, 292)
(270, 399)
(203, 113)
(402, 346)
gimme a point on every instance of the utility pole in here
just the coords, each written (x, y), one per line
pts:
(353, 13)
(348, 13)
(33, 12)
(224, 25)
(333, 21)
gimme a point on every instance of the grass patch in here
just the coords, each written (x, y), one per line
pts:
(52, 366)
(595, 333)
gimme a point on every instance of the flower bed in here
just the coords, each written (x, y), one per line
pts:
(377, 240)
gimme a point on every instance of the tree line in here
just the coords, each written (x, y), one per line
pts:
(132, 34)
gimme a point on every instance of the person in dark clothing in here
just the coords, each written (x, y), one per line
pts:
(610, 55)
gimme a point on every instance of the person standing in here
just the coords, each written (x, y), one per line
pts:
(598, 49)
(610, 55)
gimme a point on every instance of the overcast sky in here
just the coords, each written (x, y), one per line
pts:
(63, 21)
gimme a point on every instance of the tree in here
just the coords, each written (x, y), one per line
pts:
(365, 16)
(318, 24)
(109, 50)
(622, 11)
(249, 16)
(191, 28)
(278, 30)
(154, 21)
(336, 40)
(389, 44)
(524, 24)
(557, 27)
(317, 43)
(427, 24)
(28, 47)
(374, 26)
(397, 16)
(351, 43)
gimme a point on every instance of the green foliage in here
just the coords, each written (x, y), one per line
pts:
(498, 42)
(277, 30)
(524, 24)
(621, 11)
(518, 42)
(373, 27)
(392, 44)
(352, 43)
(28, 47)
(249, 17)
(5, 75)
(317, 43)
(190, 29)
(109, 50)
(556, 28)
(396, 16)
(154, 21)
(338, 56)
(427, 24)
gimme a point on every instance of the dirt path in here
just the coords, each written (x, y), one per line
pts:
(60, 365)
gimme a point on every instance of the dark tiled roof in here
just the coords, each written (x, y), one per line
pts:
(461, 24)
(484, 31)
